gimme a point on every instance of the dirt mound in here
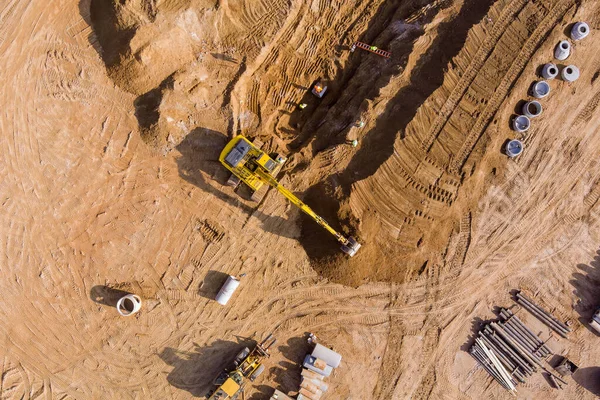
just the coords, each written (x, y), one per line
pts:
(405, 222)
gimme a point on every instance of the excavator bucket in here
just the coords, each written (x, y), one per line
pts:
(351, 247)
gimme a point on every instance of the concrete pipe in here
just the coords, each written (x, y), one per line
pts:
(514, 148)
(532, 109)
(549, 71)
(521, 123)
(540, 89)
(129, 305)
(570, 73)
(563, 50)
(580, 30)
(226, 291)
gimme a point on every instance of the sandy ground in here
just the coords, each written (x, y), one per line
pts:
(113, 116)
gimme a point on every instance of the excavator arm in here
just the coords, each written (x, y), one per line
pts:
(255, 168)
(349, 246)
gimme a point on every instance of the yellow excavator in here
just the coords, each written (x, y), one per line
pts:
(255, 168)
(247, 366)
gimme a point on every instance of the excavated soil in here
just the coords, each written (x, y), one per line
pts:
(115, 112)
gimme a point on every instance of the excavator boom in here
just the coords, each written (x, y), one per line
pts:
(254, 168)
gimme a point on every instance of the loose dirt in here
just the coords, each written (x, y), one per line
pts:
(115, 112)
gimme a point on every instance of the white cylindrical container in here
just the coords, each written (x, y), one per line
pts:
(580, 30)
(549, 71)
(532, 109)
(227, 290)
(540, 89)
(563, 50)
(329, 356)
(129, 305)
(521, 123)
(570, 73)
(514, 148)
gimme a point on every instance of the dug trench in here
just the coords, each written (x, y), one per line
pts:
(380, 259)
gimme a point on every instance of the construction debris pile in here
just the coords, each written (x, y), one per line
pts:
(509, 351)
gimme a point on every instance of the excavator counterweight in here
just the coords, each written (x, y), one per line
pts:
(255, 168)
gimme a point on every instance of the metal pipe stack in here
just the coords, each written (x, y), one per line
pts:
(543, 315)
(488, 360)
(533, 342)
(517, 350)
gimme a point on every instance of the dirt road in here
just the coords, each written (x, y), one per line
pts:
(113, 117)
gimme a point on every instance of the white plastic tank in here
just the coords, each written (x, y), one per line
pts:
(329, 356)
(580, 30)
(227, 290)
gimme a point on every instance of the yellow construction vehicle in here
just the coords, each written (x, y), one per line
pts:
(247, 366)
(255, 168)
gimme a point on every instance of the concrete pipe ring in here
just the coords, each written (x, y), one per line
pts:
(129, 305)
(580, 30)
(550, 71)
(570, 73)
(541, 89)
(563, 50)
(532, 109)
(521, 123)
(514, 148)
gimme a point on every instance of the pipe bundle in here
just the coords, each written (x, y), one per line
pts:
(517, 349)
(543, 315)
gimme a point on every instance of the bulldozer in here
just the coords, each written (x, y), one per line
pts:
(247, 366)
(250, 165)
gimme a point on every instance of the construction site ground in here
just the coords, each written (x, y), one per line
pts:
(113, 115)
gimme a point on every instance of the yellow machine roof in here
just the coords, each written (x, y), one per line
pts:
(230, 387)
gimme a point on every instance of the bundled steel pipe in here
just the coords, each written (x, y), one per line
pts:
(537, 345)
(543, 316)
(526, 339)
(516, 371)
(518, 348)
(557, 328)
(550, 316)
(525, 366)
(490, 362)
(533, 335)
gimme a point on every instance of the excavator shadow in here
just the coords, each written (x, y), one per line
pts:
(194, 371)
